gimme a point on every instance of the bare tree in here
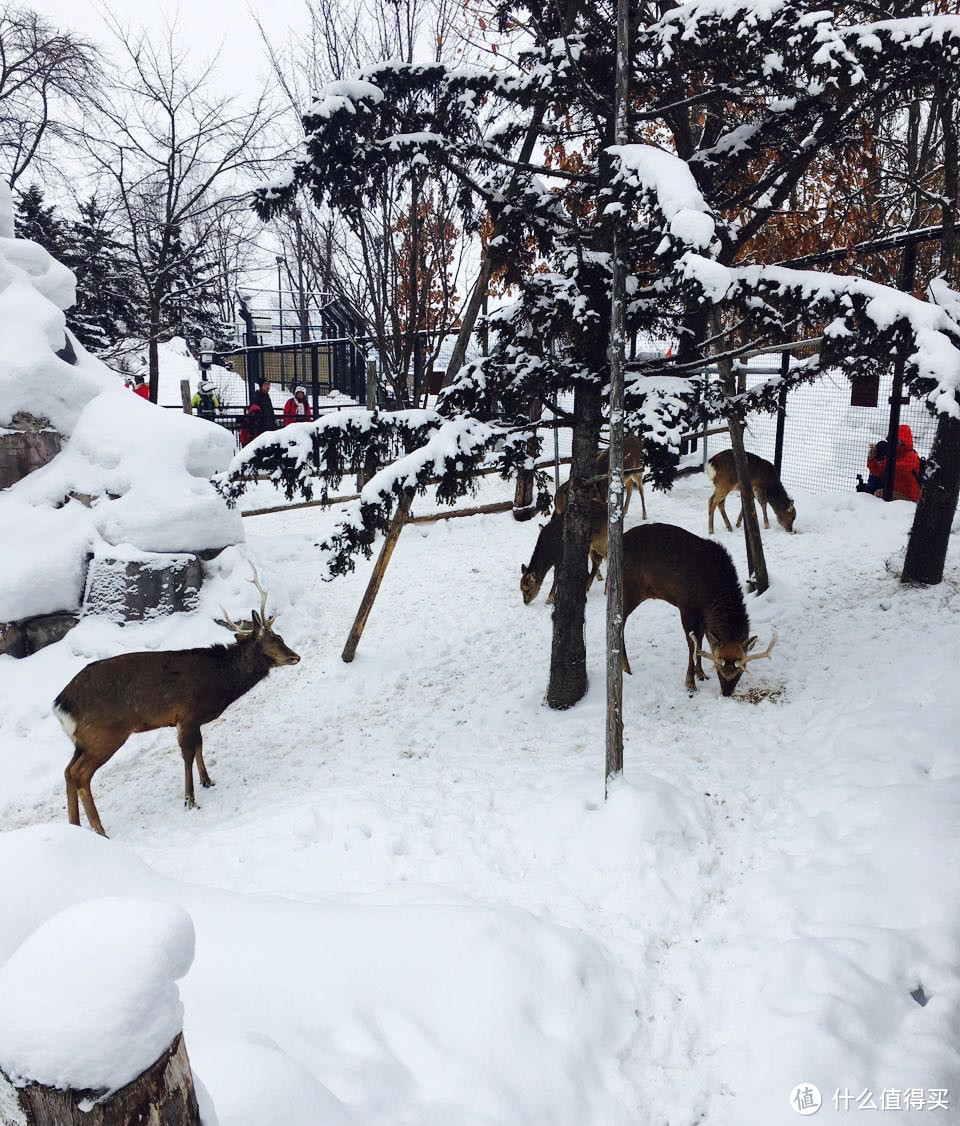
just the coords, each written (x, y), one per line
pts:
(398, 265)
(181, 157)
(44, 74)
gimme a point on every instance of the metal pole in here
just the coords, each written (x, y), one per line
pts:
(906, 277)
(279, 297)
(614, 724)
(781, 414)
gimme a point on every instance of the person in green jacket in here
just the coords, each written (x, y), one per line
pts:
(206, 402)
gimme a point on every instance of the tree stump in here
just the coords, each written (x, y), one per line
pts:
(163, 1095)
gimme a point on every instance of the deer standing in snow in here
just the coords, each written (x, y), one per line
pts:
(767, 488)
(110, 700)
(546, 553)
(699, 578)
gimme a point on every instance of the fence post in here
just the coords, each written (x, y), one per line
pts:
(906, 276)
(185, 396)
(371, 388)
(781, 414)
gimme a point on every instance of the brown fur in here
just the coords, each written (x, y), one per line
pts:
(698, 577)
(546, 553)
(767, 488)
(110, 700)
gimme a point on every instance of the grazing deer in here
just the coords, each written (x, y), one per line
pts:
(766, 484)
(699, 578)
(546, 553)
(110, 700)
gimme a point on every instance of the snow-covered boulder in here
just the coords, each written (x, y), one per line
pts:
(141, 472)
(90, 1000)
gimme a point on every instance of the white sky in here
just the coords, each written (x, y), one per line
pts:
(205, 28)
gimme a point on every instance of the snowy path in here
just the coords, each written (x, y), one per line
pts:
(773, 878)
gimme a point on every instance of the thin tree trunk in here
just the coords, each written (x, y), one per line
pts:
(930, 534)
(479, 295)
(153, 351)
(756, 562)
(614, 715)
(568, 657)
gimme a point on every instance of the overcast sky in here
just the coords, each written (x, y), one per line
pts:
(205, 28)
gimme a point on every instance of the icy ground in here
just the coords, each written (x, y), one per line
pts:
(412, 906)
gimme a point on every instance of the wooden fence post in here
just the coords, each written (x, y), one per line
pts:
(185, 396)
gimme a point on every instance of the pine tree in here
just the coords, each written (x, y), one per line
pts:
(191, 307)
(109, 304)
(733, 105)
(39, 223)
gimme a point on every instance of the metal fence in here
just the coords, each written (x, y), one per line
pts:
(826, 427)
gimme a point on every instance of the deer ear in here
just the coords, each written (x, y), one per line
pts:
(523, 568)
(258, 621)
(750, 644)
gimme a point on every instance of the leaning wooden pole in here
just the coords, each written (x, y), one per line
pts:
(614, 724)
(380, 569)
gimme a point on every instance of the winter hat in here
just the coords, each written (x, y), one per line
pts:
(299, 387)
(206, 387)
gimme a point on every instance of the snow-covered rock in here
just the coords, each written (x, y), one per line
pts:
(89, 1000)
(142, 471)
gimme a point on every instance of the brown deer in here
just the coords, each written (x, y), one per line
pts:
(110, 700)
(767, 488)
(699, 578)
(546, 553)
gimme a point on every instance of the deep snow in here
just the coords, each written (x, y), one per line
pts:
(441, 921)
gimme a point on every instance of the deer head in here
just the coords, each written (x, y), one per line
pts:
(730, 658)
(786, 517)
(529, 584)
(271, 644)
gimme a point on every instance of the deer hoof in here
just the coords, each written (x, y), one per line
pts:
(206, 783)
(190, 803)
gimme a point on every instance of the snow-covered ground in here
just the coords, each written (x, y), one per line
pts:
(412, 904)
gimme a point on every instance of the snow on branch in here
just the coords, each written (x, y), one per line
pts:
(449, 459)
(865, 321)
(329, 447)
(667, 181)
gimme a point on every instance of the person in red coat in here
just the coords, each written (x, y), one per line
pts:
(140, 387)
(251, 424)
(297, 409)
(906, 475)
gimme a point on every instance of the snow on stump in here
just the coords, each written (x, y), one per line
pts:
(91, 1019)
(129, 585)
(26, 445)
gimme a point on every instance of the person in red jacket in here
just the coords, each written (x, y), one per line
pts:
(251, 424)
(297, 409)
(140, 387)
(906, 474)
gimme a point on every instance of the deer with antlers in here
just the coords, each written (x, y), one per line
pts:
(698, 577)
(110, 700)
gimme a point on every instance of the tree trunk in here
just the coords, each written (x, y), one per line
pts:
(162, 1095)
(153, 351)
(568, 657)
(930, 533)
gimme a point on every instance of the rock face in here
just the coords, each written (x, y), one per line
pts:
(25, 446)
(20, 639)
(163, 1095)
(135, 586)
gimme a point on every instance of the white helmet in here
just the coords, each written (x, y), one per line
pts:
(206, 387)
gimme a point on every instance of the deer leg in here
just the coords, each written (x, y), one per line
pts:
(551, 597)
(691, 624)
(205, 780)
(73, 799)
(763, 509)
(721, 504)
(711, 508)
(187, 738)
(85, 773)
(643, 503)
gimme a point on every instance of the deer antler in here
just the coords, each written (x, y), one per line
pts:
(263, 598)
(698, 652)
(766, 652)
(240, 631)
